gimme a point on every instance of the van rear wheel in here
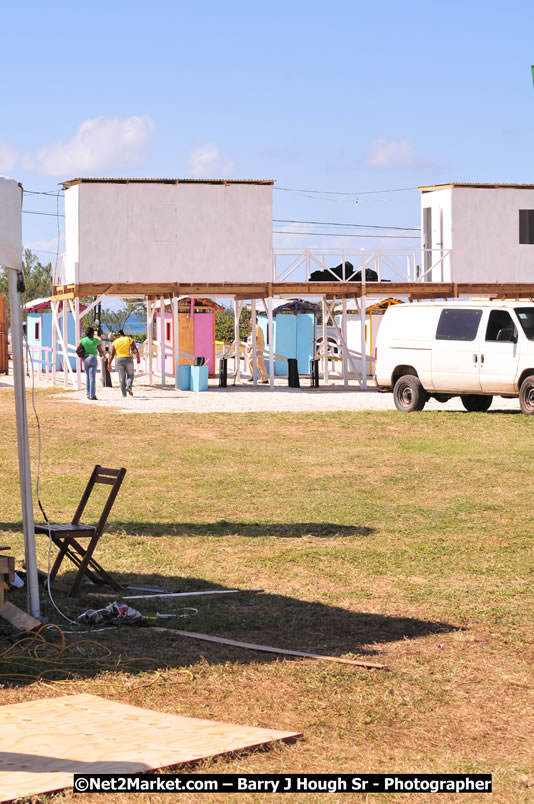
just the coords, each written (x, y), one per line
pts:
(476, 403)
(526, 395)
(409, 394)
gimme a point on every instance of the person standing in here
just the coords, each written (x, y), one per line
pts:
(260, 348)
(123, 348)
(92, 348)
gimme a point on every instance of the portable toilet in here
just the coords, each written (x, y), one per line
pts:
(39, 334)
(294, 325)
(196, 333)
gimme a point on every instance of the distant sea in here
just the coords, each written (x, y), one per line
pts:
(137, 326)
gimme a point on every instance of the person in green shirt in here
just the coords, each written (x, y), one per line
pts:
(92, 348)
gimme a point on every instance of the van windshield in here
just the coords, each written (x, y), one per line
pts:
(526, 319)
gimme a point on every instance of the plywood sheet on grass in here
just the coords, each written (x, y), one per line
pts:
(43, 743)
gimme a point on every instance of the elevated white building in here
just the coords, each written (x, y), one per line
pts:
(477, 233)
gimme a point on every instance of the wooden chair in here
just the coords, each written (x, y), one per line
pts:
(65, 537)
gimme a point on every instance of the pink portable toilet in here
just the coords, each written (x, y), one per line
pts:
(196, 322)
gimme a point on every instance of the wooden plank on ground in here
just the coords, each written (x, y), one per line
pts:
(20, 619)
(42, 743)
(270, 649)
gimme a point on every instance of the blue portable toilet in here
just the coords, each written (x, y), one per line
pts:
(294, 325)
(39, 334)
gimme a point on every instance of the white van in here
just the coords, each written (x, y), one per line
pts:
(474, 350)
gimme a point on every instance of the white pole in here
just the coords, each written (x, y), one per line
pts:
(271, 339)
(175, 324)
(15, 304)
(77, 334)
(325, 339)
(149, 338)
(54, 306)
(237, 341)
(162, 333)
(254, 344)
(345, 347)
(363, 305)
(65, 343)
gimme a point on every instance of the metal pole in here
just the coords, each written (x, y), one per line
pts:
(22, 440)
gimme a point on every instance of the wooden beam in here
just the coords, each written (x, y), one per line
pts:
(260, 290)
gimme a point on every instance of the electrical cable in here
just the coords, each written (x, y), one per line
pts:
(352, 225)
(48, 214)
(32, 650)
(333, 192)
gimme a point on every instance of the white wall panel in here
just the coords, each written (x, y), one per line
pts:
(143, 232)
(481, 226)
(10, 223)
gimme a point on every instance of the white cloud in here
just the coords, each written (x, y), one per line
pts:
(8, 157)
(206, 161)
(391, 153)
(105, 143)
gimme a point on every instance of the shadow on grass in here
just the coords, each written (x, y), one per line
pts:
(249, 530)
(249, 616)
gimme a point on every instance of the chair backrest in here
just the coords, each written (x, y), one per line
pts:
(110, 477)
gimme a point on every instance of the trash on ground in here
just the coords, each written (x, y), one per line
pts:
(113, 613)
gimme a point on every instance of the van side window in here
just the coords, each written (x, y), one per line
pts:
(526, 319)
(500, 326)
(458, 325)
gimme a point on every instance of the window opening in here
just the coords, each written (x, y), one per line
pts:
(458, 325)
(526, 226)
(500, 326)
(526, 319)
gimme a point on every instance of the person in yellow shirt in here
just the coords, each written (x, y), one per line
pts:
(260, 347)
(123, 348)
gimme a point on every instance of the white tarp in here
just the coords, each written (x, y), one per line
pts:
(10, 222)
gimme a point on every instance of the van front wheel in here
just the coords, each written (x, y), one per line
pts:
(476, 403)
(409, 394)
(526, 395)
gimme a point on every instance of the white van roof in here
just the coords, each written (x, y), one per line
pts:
(506, 303)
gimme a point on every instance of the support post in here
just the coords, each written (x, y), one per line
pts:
(77, 333)
(345, 346)
(149, 338)
(237, 340)
(325, 339)
(176, 331)
(54, 340)
(65, 325)
(363, 305)
(162, 329)
(254, 344)
(270, 330)
(22, 443)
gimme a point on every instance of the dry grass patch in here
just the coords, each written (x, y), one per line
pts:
(405, 539)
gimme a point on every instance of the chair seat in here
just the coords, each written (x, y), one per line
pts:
(81, 530)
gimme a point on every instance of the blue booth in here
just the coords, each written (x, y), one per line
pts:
(294, 334)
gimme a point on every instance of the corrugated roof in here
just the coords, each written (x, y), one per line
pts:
(70, 182)
(476, 185)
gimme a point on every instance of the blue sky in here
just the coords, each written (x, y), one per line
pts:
(339, 97)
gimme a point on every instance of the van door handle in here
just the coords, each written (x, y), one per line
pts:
(475, 358)
(481, 360)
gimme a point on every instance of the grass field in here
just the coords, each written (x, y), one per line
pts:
(402, 539)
